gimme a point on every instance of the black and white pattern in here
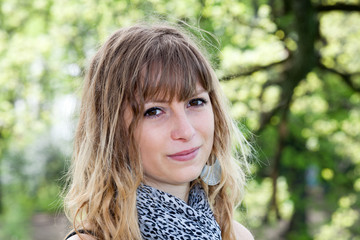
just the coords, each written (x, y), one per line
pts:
(166, 217)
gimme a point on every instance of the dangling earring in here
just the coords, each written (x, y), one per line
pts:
(211, 175)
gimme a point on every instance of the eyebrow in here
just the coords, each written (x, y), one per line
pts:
(167, 101)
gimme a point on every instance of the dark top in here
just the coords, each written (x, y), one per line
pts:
(80, 231)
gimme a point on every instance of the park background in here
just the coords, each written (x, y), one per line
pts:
(290, 68)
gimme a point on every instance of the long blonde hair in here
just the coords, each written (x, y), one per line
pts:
(134, 64)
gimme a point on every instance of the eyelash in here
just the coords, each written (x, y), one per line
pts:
(202, 100)
(148, 111)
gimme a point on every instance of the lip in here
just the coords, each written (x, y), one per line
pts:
(185, 155)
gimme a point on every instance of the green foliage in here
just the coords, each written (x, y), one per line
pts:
(15, 218)
(303, 108)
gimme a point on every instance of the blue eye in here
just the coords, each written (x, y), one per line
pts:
(197, 102)
(152, 112)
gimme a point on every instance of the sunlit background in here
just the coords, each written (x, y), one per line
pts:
(291, 70)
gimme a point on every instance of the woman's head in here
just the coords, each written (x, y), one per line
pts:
(143, 63)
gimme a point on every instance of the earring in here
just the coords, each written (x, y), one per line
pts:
(211, 175)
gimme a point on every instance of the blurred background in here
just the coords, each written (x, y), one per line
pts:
(290, 68)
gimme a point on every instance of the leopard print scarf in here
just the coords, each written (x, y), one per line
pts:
(163, 216)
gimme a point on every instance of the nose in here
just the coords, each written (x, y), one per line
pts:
(182, 128)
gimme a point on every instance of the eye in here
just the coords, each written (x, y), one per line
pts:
(197, 102)
(153, 112)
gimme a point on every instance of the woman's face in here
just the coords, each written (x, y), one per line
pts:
(175, 139)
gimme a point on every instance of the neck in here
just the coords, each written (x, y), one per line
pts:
(178, 190)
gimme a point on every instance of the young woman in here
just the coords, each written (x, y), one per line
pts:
(153, 154)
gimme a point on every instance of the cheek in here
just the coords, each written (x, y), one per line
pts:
(148, 141)
(207, 125)
(211, 120)
(212, 128)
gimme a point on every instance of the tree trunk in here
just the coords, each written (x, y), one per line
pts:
(306, 27)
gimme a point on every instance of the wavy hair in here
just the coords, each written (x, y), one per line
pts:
(133, 65)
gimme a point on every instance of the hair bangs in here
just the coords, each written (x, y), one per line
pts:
(173, 70)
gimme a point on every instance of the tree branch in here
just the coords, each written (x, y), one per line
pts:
(281, 144)
(249, 71)
(338, 7)
(265, 117)
(345, 76)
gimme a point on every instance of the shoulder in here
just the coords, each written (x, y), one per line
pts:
(241, 232)
(83, 237)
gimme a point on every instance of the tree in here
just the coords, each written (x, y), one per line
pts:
(290, 69)
(298, 27)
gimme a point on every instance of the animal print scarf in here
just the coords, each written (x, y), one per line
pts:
(166, 217)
